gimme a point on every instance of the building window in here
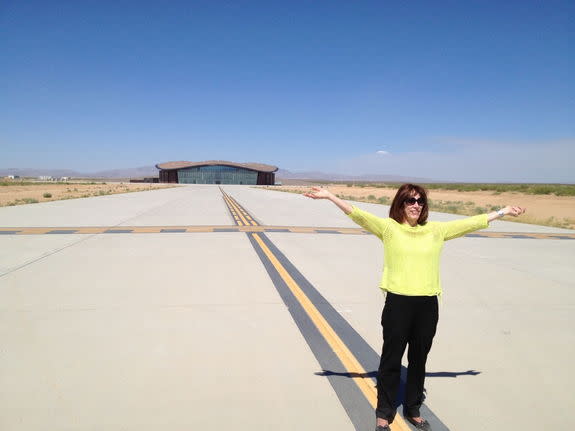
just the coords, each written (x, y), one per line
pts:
(217, 174)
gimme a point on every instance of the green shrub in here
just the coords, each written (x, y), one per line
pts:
(47, 195)
(542, 190)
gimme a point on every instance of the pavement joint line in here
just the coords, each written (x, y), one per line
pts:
(45, 255)
(95, 232)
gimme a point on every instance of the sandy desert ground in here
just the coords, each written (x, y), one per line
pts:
(43, 192)
(548, 210)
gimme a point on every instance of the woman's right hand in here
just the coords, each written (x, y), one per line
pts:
(318, 193)
(321, 193)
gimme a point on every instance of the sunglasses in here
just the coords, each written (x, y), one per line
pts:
(412, 201)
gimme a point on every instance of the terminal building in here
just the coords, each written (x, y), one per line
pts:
(216, 172)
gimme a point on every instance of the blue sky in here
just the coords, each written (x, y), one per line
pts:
(452, 90)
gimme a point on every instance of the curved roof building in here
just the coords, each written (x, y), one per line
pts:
(216, 172)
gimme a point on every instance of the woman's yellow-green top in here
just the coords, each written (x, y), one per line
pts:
(411, 262)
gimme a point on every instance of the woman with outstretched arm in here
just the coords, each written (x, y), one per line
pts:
(411, 281)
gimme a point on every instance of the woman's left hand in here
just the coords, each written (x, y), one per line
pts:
(513, 211)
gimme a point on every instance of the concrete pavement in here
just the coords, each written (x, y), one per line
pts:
(181, 330)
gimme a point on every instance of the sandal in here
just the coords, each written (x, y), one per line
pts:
(423, 425)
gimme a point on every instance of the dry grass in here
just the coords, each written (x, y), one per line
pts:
(545, 210)
(16, 193)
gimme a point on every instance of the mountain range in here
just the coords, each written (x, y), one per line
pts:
(152, 171)
(144, 171)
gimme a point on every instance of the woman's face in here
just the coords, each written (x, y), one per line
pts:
(412, 207)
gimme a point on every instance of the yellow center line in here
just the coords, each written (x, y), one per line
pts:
(252, 229)
(200, 229)
(239, 209)
(233, 210)
(239, 213)
(242, 211)
(232, 207)
(232, 202)
(338, 346)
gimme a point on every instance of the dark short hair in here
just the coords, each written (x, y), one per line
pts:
(397, 212)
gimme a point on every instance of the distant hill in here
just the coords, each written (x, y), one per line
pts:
(152, 171)
(322, 176)
(144, 171)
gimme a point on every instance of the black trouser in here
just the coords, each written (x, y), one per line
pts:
(406, 320)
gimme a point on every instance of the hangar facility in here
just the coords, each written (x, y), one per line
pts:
(217, 172)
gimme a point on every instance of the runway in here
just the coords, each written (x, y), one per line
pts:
(203, 306)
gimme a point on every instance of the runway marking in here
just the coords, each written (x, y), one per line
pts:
(347, 359)
(244, 225)
(239, 218)
(61, 231)
(333, 329)
(339, 348)
(245, 218)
